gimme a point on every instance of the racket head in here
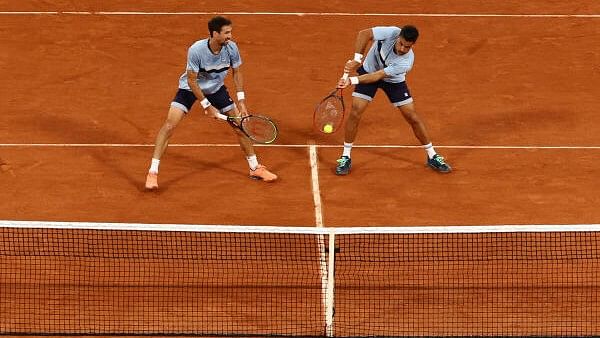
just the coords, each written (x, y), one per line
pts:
(330, 111)
(259, 129)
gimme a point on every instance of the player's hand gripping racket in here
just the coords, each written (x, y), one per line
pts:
(329, 113)
(259, 129)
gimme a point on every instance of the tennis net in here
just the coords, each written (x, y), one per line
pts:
(59, 278)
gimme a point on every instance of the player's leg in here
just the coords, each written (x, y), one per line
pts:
(410, 115)
(400, 97)
(181, 104)
(174, 116)
(361, 97)
(434, 160)
(359, 105)
(344, 163)
(222, 101)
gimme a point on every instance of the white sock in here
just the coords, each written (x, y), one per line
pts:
(429, 149)
(252, 161)
(154, 166)
(347, 149)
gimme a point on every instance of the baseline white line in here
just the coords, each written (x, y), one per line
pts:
(30, 13)
(460, 15)
(200, 145)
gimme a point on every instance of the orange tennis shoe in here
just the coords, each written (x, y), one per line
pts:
(152, 181)
(261, 173)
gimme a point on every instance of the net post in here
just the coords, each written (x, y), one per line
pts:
(329, 292)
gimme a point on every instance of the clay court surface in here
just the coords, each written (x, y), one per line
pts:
(478, 81)
(509, 92)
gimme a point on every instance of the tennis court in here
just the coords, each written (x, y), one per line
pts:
(508, 91)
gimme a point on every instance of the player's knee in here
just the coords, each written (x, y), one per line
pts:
(357, 110)
(356, 113)
(169, 126)
(411, 117)
(358, 107)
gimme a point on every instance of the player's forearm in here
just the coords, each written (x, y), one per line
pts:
(195, 88)
(192, 80)
(238, 80)
(370, 77)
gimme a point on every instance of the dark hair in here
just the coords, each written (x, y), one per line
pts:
(215, 24)
(410, 33)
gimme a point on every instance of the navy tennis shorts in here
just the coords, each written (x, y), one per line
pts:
(184, 100)
(398, 93)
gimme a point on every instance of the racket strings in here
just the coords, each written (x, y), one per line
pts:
(331, 109)
(329, 112)
(259, 129)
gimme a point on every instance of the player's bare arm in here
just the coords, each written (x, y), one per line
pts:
(371, 77)
(238, 80)
(362, 40)
(364, 37)
(365, 78)
(192, 79)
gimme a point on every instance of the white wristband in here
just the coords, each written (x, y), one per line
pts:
(354, 80)
(205, 103)
(358, 57)
(241, 96)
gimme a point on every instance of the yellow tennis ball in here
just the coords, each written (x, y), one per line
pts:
(327, 129)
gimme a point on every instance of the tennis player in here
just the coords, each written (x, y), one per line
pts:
(208, 62)
(385, 66)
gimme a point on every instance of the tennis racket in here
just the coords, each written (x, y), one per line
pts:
(259, 129)
(329, 113)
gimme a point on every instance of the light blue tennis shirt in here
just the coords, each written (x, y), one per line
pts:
(212, 69)
(382, 55)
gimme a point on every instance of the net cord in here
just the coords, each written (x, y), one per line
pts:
(301, 229)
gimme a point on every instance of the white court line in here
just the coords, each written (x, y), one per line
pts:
(325, 266)
(208, 145)
(314, 174)
(461, 15)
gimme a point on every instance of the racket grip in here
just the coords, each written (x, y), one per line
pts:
(345, 76)
(222, 116)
